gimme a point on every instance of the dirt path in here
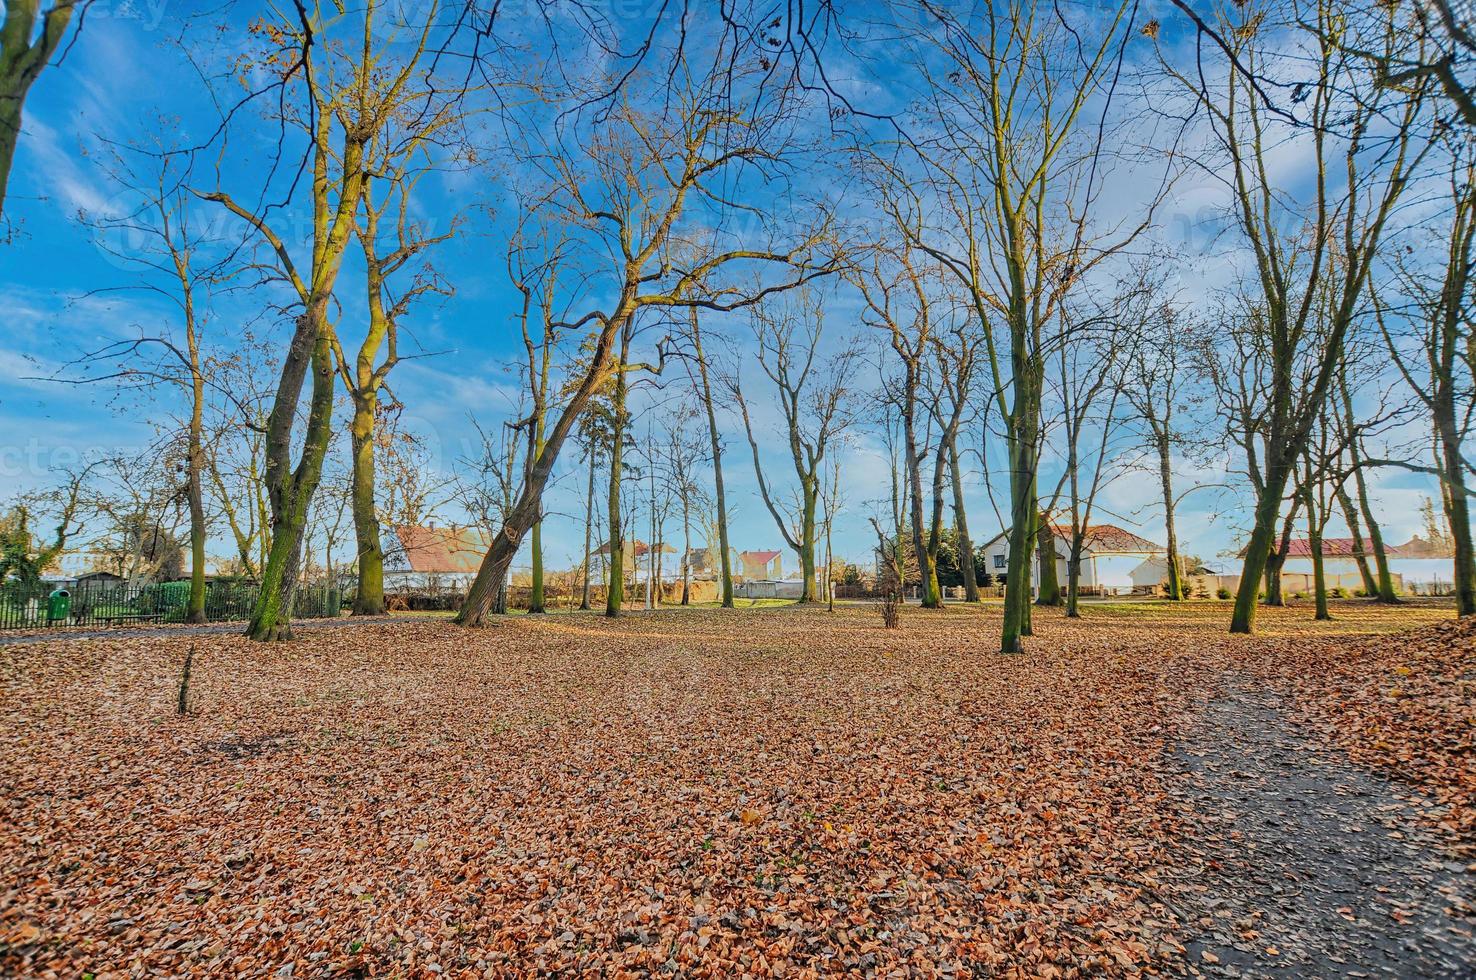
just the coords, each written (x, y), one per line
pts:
(1312, 867)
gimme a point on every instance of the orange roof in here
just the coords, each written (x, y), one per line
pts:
(1108, 538)
(443, 550)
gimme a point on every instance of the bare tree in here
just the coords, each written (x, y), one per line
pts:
(236, 418)
(1091, 369)
(165, 247)
(702, 383)
(1153, 387)
(934, 354)
(487, 486)
(387, 252)
(138, 501)
(24, 555)
(1012, 175)
(625, 187)
(815, 402)
(1357, 178)
(833, 496)
(350, 92)
(1434, 349)
(684, 453)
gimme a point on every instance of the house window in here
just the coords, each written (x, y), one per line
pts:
(999, 561)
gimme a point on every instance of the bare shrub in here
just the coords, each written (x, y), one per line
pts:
(891, 606)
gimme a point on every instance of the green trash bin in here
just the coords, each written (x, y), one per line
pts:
(58, 606)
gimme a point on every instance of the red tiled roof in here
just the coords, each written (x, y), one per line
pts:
(1415, 547)
(1331, 548)
(1108, 539)
(443, 550)
(763, 557)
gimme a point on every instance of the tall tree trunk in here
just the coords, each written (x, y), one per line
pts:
(1360, 556)
(615, 581)
(10, 124)
(686, 549)
(899, 525)
(1258, 549)
(1021, 540)
(808, 537)
(1274, 563)
(963, 543)
(660, 562)
(529, 505)
(1073, 577)
(369, 596)
(291, 490)
(829, 564)
(1316, 521)
(1166, 481)
(927, 564)
(535, 597)
(195, 464)
(725, 561)
(1385, 578)
(1045, 544)
(21, 61)
(1458, 516)
(658, 534)
(1451, 317)
(1319, 578)
(535, 594)
(588, 525)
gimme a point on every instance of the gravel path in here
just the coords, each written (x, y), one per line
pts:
(1312, 867)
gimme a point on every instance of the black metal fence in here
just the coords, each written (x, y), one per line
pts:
(114, 603)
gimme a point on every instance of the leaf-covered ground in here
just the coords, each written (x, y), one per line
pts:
(701, 792)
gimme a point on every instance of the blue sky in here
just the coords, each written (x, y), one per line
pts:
(125, 73)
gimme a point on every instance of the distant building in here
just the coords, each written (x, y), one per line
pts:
(419, 557)
(1113, 560)
(1418, 565)
(760, 565)
(637, 555)
(98, 578)
(703, 563)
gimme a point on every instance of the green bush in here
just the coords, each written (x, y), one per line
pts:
(1222, 593)
(1339, 593)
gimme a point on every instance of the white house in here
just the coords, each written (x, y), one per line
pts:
(433, 557)
(637, 563)
(1418, 565)
(1113, 559)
